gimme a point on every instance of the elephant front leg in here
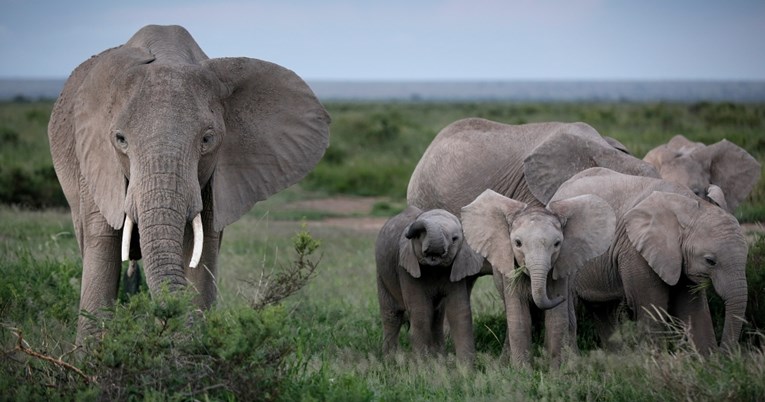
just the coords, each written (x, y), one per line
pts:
(460, 317)
(560, 321)
(518, 315)
(101, 268)
(693, 310)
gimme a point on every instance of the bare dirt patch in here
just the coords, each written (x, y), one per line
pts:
(357, 210)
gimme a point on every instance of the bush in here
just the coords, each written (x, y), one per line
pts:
(149, 347)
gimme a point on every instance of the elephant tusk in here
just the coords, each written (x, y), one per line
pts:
(127, 232)
(196, 253)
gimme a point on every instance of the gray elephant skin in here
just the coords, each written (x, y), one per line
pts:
(422, 262)
(155, 132)
(472, 155)
(667, 242)
(722, 172)
(533, 251)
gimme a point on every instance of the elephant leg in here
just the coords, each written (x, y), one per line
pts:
(557, 323)
(460, 318)
(518, 315)
(693, 310)
(392, 316)
(440, 326)
(101, 267)
(605, 320)
(421, 318)
(646, 294)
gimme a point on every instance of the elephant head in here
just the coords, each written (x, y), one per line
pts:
(435, 239)
(162, 132)
(678, 235)
(555, 240)
(723, 173)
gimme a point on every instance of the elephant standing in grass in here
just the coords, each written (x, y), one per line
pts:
(156, 134)
(533, 252)
(669, 246)
(723, 172)
(422, 262)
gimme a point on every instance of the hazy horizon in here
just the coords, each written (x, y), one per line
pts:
(396, 40)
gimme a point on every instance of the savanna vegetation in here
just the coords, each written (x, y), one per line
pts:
(323, 341)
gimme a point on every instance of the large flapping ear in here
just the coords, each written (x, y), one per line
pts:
(564, 154)
(93, 114)
(731, 168)
(467, 263)
(276, 132)
(486, 223)
(655, 225)
(406, 256)
(588, 230)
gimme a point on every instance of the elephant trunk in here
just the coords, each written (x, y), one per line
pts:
(735, 297)
(538, 274)
(434, 243)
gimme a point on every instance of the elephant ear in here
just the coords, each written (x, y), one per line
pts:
(94, 102)
(716, 195)
(617, 145)
(731, 168)
(589, 223)
(407, 259)
(467, 263)
(655, 226)
(564, 154)
(276, 132)
(486, 223)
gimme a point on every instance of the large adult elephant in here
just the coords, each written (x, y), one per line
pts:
(667, 242)
(154, 132)
(472, 155)
(722, 172)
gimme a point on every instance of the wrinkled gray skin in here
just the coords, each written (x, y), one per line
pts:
(667, 240)
(157, 131)
(418, 255)
(533, 252)
(723, 172)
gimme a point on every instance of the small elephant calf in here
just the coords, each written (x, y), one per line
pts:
(422, 266)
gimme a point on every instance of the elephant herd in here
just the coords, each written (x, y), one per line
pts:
(565, 218)
(158, 147)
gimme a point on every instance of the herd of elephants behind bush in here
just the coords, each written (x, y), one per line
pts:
(158, 148)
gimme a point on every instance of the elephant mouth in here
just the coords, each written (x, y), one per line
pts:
(196, 254)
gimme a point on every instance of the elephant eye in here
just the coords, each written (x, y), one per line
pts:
(455, 238)
(208, 140)
(557, 243)
(710, 261)
(120, 139)
(518, 243)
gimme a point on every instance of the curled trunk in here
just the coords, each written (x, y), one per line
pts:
(538, 274)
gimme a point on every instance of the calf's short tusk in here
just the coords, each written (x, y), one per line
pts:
(127, 231)
(196, 253)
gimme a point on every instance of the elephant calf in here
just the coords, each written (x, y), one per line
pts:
(533, 251)
(422, 265)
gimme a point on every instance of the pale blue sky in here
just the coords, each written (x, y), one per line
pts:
(410, 39)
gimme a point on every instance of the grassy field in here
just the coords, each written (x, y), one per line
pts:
(323, 343)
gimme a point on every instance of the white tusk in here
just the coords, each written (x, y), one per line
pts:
(196, 253)
(127, 231)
